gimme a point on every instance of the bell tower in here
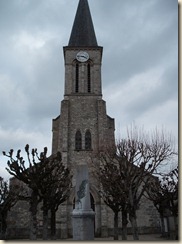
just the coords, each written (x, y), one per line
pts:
(83, 56)
(83, 127)
(83, 71)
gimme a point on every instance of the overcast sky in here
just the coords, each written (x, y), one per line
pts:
(139, 70)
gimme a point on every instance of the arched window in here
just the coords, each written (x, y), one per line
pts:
(78, 140)
(88, 140)
(77, 78)
(88, 77)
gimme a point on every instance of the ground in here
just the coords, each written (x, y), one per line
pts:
(149, 237)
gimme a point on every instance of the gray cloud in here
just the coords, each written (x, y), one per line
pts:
(139, 72)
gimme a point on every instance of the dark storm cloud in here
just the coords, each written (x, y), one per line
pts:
(139, 71)
(143, 40)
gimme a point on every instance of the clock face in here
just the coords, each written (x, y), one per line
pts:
(82, 56)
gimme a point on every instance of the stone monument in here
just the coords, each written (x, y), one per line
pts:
(82, 216)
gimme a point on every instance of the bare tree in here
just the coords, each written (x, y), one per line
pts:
(8, 198)
(143, 154)
(164, 195)
(154, 193)
(107, 175)
(31, 177)
(47, 178)
(136, 159)
(55, 189)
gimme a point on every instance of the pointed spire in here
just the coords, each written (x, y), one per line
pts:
(83, 33)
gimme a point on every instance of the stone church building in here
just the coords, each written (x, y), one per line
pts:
(82, 129)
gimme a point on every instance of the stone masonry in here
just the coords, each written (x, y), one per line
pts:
(81, 130)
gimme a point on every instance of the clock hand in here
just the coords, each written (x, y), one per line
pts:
(81, 56)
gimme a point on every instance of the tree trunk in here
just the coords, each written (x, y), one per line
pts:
(176, 227)
(45, 221)
(116, 226)
(53, 224)
(132, 217)
(162, 225)
(124, 224)
(4, 225)
(33, 215)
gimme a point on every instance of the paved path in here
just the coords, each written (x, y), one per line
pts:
(151, 237)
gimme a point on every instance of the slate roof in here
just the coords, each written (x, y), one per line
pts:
(83, 33)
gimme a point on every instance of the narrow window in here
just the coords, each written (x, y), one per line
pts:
(88, 78)
(78, 140)
(77, 78)
(88, 140)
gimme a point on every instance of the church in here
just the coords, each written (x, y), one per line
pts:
(81, 130)
(83, 127)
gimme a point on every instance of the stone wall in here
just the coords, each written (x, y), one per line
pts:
(18, 218)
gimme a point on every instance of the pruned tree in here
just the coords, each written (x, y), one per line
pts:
(55, 189)
(136, 158)
(43, 175)
(164, 194)
(107, 175)
(31, 176)
(8, 198)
